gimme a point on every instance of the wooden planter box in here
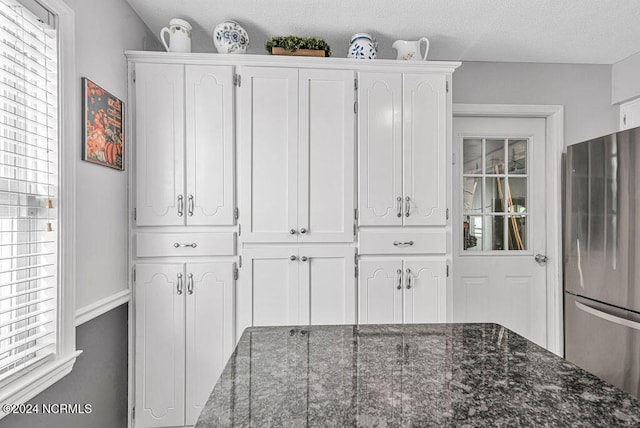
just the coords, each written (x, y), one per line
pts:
(299, 52)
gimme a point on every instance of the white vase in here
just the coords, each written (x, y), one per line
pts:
(179, 32)
(363, 46)
(230, 37)
(410, 50)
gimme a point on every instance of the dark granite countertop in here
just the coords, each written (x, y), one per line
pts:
(407, 375)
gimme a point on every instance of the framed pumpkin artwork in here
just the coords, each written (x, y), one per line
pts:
(103, 126)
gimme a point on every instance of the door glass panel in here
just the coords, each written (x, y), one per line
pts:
(517, 152)
(494, 156)
(472, 195)
(517, 195)
(495, 195)
(517, 232)
(472, 236)
(494, 233)
(492, 192)
(472, 156)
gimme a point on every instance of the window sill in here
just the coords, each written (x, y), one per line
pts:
(36, 381)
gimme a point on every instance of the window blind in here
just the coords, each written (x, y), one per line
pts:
(28, 189)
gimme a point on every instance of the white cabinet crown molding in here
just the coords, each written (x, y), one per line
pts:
(299, 62)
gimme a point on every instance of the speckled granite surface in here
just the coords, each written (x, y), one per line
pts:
(463, 375)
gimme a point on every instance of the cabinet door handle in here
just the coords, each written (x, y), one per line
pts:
(180, 205)
(408, 207)
(191, 205)
(190, 283)
(179, 284)
(179, 245)
(304, 258)
(292, 232)
(303, 230)
(399, 199)
(293, 258)
(399, 272)
(409, 276)
(402, 244)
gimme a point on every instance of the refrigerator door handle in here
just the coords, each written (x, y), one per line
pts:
(608, 317)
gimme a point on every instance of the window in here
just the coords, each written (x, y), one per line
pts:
(35, 336)
(495, 198)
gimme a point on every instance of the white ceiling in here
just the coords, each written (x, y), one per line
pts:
(557, 31)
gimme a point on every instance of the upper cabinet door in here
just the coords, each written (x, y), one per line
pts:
(380, 284)
(425, 299)
(268, 137)
(380, 148)
(159, 98)
(209, 290)
(425, 165)
(209, 145)
(159, 349)
(326, 156)
(327, 285)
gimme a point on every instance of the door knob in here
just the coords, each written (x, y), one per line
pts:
(292, 232)
(303, 230)
(541, 258)
(304, 258)
(293, 258)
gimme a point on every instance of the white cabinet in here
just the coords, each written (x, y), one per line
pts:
(297, 142)
(630, 114)
(184, 334)
(297, 285)
(395, 290)
(402, 132)
(184, 167)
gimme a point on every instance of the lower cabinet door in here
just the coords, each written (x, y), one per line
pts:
(268, 288)
(327, 285)
(425, 298)
(159, 345)
(380, 285)
(209, 291)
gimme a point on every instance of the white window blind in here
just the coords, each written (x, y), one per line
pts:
(28, 189)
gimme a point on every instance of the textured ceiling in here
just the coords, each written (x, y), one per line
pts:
(564, 31)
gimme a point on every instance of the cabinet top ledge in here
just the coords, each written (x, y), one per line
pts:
(290, 61)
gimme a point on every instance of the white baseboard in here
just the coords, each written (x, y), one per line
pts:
(102, 306)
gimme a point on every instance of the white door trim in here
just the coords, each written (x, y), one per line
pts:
(555, 146)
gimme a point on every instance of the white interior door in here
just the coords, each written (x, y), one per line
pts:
(425, 291)
(380, 148)
(500, 224)
(380, 284)
(209, 145)
(209, 330)
(327, 285)
(268, 136)
(425, 157)
(159, 92)
(326, 156)
(160, 341)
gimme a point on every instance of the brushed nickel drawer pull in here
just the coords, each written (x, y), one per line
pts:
(178, 245)
(402, 244)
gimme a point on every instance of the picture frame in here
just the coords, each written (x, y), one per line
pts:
(103, 132)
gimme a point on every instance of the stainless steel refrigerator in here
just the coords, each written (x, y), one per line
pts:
(602, 258)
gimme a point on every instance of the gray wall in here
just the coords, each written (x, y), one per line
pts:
(626, 79)
(99, 378)
(104, 29)
(584, 91)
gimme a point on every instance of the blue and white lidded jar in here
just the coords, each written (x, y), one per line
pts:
(230, 37)
(363, 46)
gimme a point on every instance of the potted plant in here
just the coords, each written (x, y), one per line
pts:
(297, 46)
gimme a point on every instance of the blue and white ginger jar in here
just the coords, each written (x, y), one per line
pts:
(363, 46)
(230, 37)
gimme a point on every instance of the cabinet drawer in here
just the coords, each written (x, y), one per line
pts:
(403, 242)
(206, 244)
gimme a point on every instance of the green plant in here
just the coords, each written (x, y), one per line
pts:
(294, 43)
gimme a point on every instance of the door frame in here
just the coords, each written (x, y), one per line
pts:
(555, 147)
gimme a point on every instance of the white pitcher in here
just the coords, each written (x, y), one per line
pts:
(179, 36)
(410, 50)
